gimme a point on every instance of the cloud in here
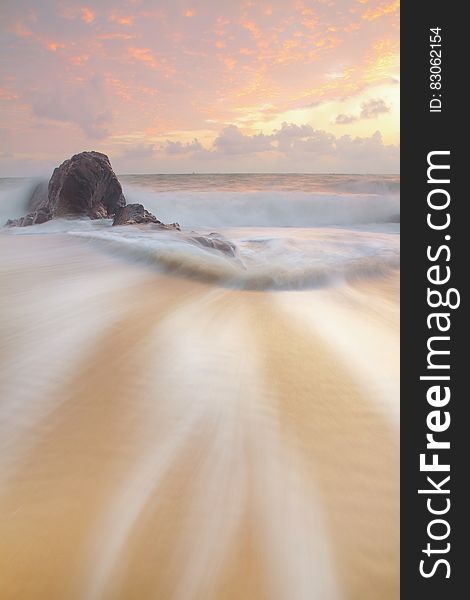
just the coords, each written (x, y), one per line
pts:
(126, 20)
(84, 103)
(364, 149)
(289, 132)
(345, 119)
(320, 143)
(293, 145)
(144, 55)
(370, 109)
(296, 144)
(232, 141)
(88, 15)
(373, 108)
(139, 151)
(290, 140)
(384, 9)
(180, 148)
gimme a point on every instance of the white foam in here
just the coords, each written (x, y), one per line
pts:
(272, 259)
(270, 208)
(14, 196)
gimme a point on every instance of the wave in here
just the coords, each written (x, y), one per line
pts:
(14, 197)
(350, 204)
(263, 262)
(266, 208)
(286, 239)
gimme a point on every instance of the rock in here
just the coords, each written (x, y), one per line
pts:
(173, 226)
(216, 242)
(136, 214)
(85, 185)
(33, 218)
(132, 214)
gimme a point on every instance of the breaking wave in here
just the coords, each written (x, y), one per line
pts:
(14, 196)
(267, 208)
(284, 238)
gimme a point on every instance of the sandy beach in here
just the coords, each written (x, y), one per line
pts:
(164, 438)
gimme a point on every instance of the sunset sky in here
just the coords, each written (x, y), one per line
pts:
(174, 86)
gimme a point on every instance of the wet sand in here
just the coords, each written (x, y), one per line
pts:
(162, 438)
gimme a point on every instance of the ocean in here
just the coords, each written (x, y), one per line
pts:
(181, 423)
(290, 231)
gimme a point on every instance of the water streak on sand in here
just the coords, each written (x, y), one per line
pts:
(277, 493)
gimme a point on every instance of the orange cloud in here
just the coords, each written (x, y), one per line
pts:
(79, 60)
(144, 55)
(252, 28)
(189, 13)
(230, 63)
(384, 9)
(120, 88)
(221, 25)
(127, 20)
(6, 95)
(21, 30)
(309, 23)
(88, 15)
(53, 46)
(116, 36)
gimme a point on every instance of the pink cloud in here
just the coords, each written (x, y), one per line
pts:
(127, 20)
(88, 15)
(144, 55)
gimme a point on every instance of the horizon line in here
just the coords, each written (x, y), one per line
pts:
(224, 173)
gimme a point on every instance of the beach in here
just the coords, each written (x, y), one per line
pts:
(172, 434)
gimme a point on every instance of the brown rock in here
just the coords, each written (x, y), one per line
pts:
(136, 214)
(33, 218)
(132, 214)
(216, 242)
(84, 185)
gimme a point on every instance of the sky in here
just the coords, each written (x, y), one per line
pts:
(176, 86)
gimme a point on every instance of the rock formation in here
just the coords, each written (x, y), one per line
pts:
(33, 218)
(133, 214)
(84, 185)
(216, 242)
